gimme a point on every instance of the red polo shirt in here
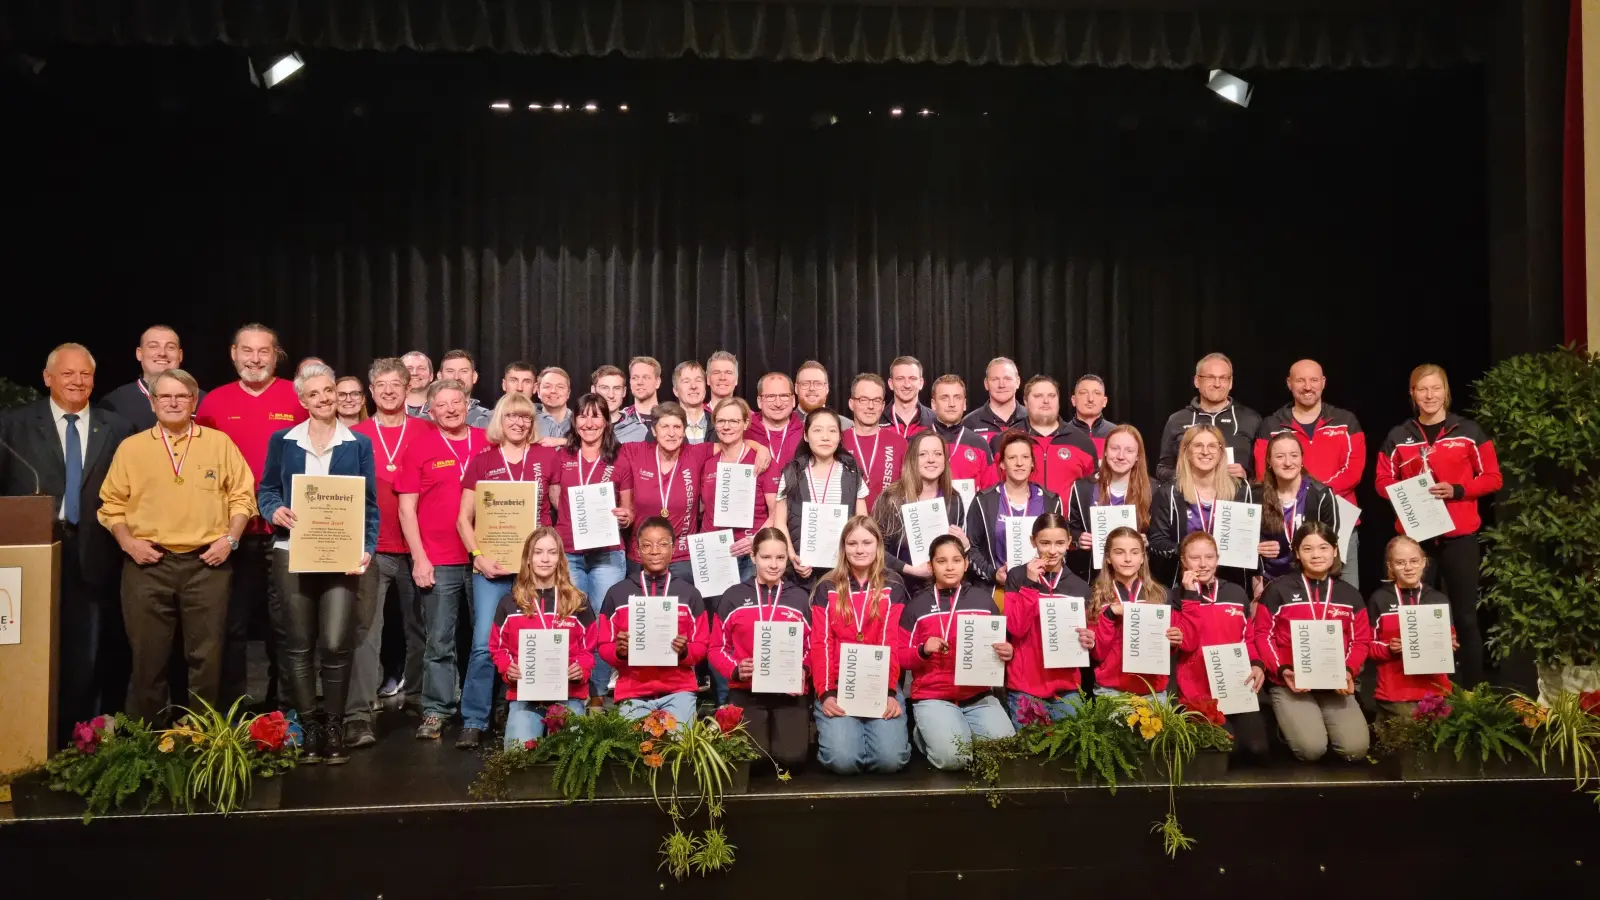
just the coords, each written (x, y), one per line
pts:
(536, 465)
(636, 471)
(880, 456)
(250, 420)
(780, 442)
(432, 468)
(388, 449)
(571, 471)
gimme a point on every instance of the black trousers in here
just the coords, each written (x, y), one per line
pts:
(254, 591)
(83, 608)
(322, 616)
(1453, 568)
(1250, 732)
(779, 724)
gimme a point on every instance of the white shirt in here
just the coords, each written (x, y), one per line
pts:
(60, 417)
(316, 464)
(829, 492)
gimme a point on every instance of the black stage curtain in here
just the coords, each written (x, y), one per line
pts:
(1342, 217)
(1179, 34)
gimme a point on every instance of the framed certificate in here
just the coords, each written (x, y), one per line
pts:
(505, 513)
(330, 528)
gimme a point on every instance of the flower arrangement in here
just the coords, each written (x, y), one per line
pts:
(205, 756)
(1173, 734)
(705, 750)
(1480, 720)
(1566, 731)
(1095, 742)
(579, 750)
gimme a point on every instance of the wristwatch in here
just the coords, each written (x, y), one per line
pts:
(474, 553)
(233, 542)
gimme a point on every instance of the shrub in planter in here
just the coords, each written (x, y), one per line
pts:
(1541, 556)
(1465, 734)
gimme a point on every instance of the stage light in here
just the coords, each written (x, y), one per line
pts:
(559, 106)
(271, 71)
(925, 113)
(535, 107)
(501, 106)
(1230, 88)
(591, 106)
(622, 108)
(897, 112)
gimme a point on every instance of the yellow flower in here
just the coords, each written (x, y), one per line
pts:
(1133, 718)
(166, 744)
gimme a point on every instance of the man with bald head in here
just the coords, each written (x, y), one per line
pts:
(158, 351)
(70, 448)
(1332, 446)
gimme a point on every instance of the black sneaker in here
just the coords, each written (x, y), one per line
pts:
(391, 687)
(358, 733)
(469, 739)
(430, 728)
(333, 752)
(311, 750)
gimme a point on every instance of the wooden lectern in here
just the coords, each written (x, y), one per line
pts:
(30, 594)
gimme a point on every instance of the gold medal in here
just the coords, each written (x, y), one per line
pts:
(665, 514)
(177, 479)
(389, 467)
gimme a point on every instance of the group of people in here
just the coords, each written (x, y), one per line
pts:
(175, 509)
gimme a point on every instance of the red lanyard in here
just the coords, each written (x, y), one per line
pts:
(177, 466)
(826, 481)
(861, 615)
(644, 585)
(666, 483)
(1051, 585)
(1314, 596)
(867, 462)
(522, 473)
(583, 480)
(461, 468)
(1215, 586)
(538, 603)
(772, 609)
(950, 617)
(398, 444)
(1200, 510)
(1134, 590)
(1416, 595)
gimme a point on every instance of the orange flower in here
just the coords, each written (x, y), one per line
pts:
(647, 746)
(653, 760)
(668, 722)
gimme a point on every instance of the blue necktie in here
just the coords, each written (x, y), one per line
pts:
(74, 469)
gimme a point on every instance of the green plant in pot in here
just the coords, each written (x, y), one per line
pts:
(1543, 552)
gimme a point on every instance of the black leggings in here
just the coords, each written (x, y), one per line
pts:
(1249, 733)
(1453, 568)
(779, 724)
(320, 613)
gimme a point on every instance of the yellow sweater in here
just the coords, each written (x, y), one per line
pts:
(142, 492)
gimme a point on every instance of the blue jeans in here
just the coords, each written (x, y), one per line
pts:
(440, 606)
(680, 705)
(594, 572)
(847, 745)
(477, 693)
(719, 685)
(944, 727)
(525, 720)
(1063, 706)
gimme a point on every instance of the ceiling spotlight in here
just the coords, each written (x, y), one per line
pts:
(622, 108)
(501, 106)
(897, 112)
(1230, 88)
(535, 107)
(271, 71)
(925, 113)
(591, 106)
(559, 107)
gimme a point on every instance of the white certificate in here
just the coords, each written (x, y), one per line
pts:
(543, 662)
(821, 524)
(1059, 621)
(1421, 514)
(1318, 648)
(652, 627)
(734, 505)
(1145, 650)
(1228, 673)
(1348, 514)
(923, 521)
(967, 488)
(711, 559)
(1105, 519)
(11, 605)
(1019, 540)
(1425, 639)
(976, 662)
(593, 523)
(863, 680)
(1229, 451)
(1237, 528)
(777, 658)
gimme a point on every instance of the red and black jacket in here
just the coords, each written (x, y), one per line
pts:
(1096, 432)
(1285, 600)
(1335, 454)
(984, 420)
(925, 420)
(1219, 613)
(1060, 457)
(881, 625)
(693, 623)
(1107, 652)
(733, 627)
(1026, 671)
(932, 613)
(969, 453)
(1462, 456)
(510, 620)
(1394, 685)
(1238, 424)
(1169, 523)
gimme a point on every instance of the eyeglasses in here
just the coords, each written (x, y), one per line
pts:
(1217, 378)
(812, 385)
(868, 401)
(733, 422)
(524, 418)
(655, 545)
(174, 398)
(349, 395)
(765, 397)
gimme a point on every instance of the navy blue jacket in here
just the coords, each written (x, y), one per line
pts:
(286, 459)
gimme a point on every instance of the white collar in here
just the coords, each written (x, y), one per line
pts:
(301, 434)
(56, 412)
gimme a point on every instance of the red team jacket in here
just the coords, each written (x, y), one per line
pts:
(652, 681)
(1026, 671)
(930, 614)
(1219, 614)
(1394, 685)
(1107, 655)
(1336, 456)
(733, 628)
(970, 455)
(1061, 458)
(829, 630)
(510, 620)
(1462, 455)
(1285, 600)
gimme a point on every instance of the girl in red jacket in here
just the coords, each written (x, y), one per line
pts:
(1397, 693)
(859, 602)
(1461, 459)
(949, 715)
(779, 723)
(1311, 720)
(1125, 579)
(642, 690)
(1210, 611)
(1027, 677)
(542, 597)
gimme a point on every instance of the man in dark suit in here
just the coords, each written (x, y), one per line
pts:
(158, 351)
(70, 447)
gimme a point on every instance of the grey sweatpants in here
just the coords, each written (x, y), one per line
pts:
(1312, 721)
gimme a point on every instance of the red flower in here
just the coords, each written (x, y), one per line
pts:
(1031, 712)
(555, 718)
(728, 717)
(269, 731)
(530, 744)
(1207, 707)
(85, 738)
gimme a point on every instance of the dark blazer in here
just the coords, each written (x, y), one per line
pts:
(31, 431)
(130, 403)
(286, 459)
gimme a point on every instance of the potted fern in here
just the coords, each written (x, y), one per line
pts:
(1466, 734)
(1542, 553)
(579, 757)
